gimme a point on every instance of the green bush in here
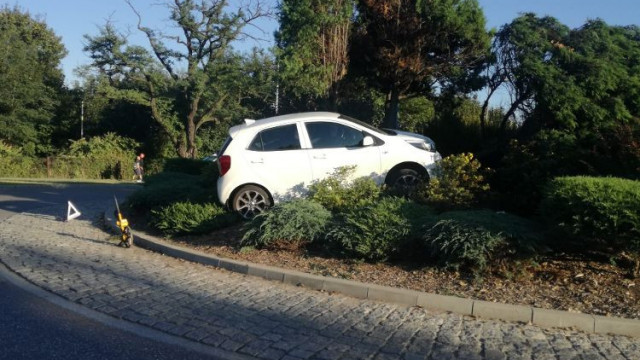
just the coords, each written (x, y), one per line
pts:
(528, 166)
(527, 235)
(457, 183)
(101, 157)
(209, 176)
(455, 244)
(337, 193)
(13, 163)
(290, 225)
(16, 165)
(190, 218)
(186, 166)
(472, 239)
(597, 211)
(377, 231)
(163, 189)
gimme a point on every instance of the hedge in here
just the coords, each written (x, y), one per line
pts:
(595, 210)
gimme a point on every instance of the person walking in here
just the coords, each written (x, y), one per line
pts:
(138, 168)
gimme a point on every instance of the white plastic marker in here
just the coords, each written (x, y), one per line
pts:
(72, 212)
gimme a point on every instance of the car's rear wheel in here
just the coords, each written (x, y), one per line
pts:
(250, 200)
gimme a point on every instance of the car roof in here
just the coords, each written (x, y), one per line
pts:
(267, 122)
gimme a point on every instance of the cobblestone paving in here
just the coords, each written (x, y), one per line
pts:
(255, 317)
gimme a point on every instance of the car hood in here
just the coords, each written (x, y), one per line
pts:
(409, 136)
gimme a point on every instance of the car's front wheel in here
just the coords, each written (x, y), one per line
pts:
(250, 200)
(404, 180)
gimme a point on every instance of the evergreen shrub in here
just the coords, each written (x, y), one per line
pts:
(457, 184)
(594, 210)
(186, 166)
(377, 231)
(474, 238)
(165, 188)
(338, 193)
(191, 218)
(290, 225)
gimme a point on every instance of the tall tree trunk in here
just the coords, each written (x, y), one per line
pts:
(391, 109)
(192, 149)
(483, 113)
(511, 112)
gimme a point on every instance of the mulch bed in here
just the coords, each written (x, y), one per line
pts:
(557, 282)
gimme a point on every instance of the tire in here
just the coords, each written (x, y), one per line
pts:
(404, 180)
(129, 240)
(250, 200)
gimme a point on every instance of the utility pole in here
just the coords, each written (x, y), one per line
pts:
(277, 103)
(82, 119)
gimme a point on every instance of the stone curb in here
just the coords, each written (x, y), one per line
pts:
(489, 310)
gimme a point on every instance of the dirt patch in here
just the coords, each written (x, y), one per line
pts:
(559, 282)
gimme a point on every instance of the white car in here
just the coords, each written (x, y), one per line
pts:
(275, 159)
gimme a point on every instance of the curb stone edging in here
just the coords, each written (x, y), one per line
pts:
(488, 310)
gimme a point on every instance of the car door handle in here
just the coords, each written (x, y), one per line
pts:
(320, 157)
(257, 161)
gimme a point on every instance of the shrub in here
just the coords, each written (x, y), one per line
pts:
(186, 166)
(457, 183)
(527, 167)
(377, 231)
(190, 218)
(472, 239)
(454, 244)
(14, 164)
(603, 211)
(209, 175)
(163, 189)
(100, 157)
(337, 193)
(292, 225)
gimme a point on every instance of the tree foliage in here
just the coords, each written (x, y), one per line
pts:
(313, 42)
(30, 80)
(524, 53)
(184, 79)
(407, 46)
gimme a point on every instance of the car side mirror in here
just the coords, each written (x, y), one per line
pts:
(367, 141)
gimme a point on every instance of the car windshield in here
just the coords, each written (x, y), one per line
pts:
(368, 126)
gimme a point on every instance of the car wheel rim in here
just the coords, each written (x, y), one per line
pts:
(250, 204)
(407, 181)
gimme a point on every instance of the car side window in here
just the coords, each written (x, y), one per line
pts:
(331, 135)
(277, 139)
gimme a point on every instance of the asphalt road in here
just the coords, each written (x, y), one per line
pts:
(34, 328)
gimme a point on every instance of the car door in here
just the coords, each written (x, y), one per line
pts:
(335, 145)
(278, 161)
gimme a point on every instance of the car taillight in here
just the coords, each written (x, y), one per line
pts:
(225, 164)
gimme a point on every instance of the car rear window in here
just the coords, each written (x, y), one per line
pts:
(277, 139)
(225, 146)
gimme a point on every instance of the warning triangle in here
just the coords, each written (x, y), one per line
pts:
(72, 212)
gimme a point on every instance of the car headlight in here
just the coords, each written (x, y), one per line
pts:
(423, 145)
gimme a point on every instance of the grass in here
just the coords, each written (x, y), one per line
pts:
(51, 181)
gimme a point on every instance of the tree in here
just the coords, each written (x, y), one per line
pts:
(524, 54)
(409, 46)
(601, 64)
(313, 42)
(30, 80)
(583, 112)
(181, 100)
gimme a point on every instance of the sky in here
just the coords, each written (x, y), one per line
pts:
(72, 19)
